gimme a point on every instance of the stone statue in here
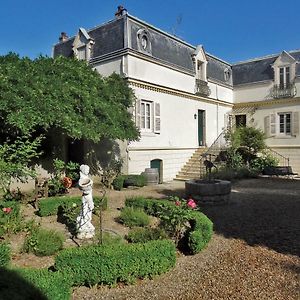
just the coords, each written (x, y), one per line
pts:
(84, 225)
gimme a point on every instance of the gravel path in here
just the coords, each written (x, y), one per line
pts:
(254, 253)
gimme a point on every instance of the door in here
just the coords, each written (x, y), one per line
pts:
(158, 164)
(201, 127)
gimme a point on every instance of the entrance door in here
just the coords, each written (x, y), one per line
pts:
(158, 164)
(201, 127)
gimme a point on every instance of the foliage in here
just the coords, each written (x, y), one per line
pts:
(116, 263)
(14, 195)
(10, 218)
(66, 94)
(15, 158)
(169, 211)
(142, 235)
(128, 180)
(34, 284)
(264, 161)
(43, 242)
(230, 173)
(4, 254)
(108, 238)
(132, 217)
(50, 206)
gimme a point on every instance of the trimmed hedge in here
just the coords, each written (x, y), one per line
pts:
(128, 180)
(33, 284)
(4, 254)
(50, 206)
(116, 263)
(132, 217)
(143, 235)
(201, 226)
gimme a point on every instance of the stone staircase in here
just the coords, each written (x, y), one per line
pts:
(194, 167)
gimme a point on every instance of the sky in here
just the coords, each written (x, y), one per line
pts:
(233, 30)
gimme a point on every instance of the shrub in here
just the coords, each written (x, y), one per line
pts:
(50, 206)
(118, 182)
(197, 220)
(43, 242)
(108, 239)
(134, 217)
(128, 180)
(142, 235)
(4, 254)
(260, 163)
(34, 284)
(110, 264)
(10, 218)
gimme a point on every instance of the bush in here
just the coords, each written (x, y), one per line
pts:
(265, 161)
(34, 284)
(128, 180)
(108, 239)
(197, 220)
(43, 242)
(50, 206)
(4, 254)
(10, 218)
(118, 182)
(142, 235)
(118, 263)
(134, 217)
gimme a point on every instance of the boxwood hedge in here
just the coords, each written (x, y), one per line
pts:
(201, 226)
(116, 263)
(50, 206)
(4, 254)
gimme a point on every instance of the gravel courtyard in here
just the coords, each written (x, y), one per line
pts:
(254, 253)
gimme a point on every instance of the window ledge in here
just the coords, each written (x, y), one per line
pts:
(284, 136)
(148, 134)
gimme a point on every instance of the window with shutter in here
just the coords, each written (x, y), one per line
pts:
(295, 123)
(157, 118)
(138, 113)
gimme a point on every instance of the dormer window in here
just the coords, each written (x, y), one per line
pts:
(144, 41)
(82, 45)
(284, 77)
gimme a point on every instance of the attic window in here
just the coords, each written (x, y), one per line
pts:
(144, 41)
(81, 53)
(227, 74)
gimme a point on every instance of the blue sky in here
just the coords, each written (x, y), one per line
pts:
(233, 30)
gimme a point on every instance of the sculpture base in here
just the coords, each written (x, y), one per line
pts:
(85, 235)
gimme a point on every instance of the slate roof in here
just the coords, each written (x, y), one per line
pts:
(111, 37)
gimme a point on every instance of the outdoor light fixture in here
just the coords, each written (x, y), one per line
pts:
(195, 116)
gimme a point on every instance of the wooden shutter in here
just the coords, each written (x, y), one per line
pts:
(156, 117)
(295, 123)
(138, 113)
(267, 126)
(272, 124)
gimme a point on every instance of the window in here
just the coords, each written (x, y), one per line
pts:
(285, 123)
(146, 116)
(284, 77)
(240, 120)
(227, 74)
(81, 53)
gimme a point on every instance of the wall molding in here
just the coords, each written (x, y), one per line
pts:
(267, 102)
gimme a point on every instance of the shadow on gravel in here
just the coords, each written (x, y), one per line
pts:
(261, 212)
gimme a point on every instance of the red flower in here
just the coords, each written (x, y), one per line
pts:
(177, 203)
(7, 210)
(191, 203)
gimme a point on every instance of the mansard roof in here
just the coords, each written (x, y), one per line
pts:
(259, 69)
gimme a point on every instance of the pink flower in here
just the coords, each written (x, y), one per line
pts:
(177, 203)
(191, 203)
(7, 210)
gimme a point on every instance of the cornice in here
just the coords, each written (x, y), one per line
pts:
(267, 102)
(170, 91)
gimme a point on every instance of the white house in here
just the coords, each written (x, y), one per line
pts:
(185, 96)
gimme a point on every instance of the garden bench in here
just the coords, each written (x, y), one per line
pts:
(279, 171)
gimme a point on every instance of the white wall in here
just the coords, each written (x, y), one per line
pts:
(107, 67)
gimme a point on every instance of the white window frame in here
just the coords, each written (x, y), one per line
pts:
(284, 121)
(286, 80)
(147, 116)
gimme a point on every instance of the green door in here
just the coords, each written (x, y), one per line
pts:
(201, 127)
(157, 164)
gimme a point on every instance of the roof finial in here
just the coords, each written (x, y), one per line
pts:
(121, 11)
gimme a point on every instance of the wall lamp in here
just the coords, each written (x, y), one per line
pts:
(195, 116)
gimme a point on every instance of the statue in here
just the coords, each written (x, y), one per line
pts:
(84, 225)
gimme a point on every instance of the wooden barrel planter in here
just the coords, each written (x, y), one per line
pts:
(151, 175)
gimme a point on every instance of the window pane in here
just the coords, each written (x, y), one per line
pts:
(147, 116)
(287, 76)
(142, 115)
(288, 123)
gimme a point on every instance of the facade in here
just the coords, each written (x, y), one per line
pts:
(185, 96)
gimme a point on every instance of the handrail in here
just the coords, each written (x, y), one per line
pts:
(275, 153)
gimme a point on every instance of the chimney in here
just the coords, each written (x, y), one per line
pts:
(63, 37)
(121, 11)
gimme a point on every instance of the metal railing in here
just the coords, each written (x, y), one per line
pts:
(282, 160)
(283, 90)
(202, 88)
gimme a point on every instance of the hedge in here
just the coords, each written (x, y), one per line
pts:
(116, 263)
(4, 254)
(201, 226)
(19, 284)
(50, 206)
(128, 180)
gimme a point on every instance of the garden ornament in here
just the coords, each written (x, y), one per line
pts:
(84, 225)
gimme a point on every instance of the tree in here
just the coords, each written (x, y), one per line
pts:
(66, 94)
